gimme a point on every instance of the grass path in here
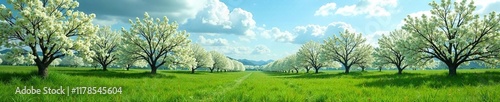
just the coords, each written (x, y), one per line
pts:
(237, 83)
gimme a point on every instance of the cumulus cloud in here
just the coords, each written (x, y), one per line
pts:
(232, 50)
(261, 49)
(278, 35)
(197, 16)
(216, 18)
(212, 42)
(326, 10)
(121, 11)
(107, 21)
(303, 34)
(318, 33)
(370, 7)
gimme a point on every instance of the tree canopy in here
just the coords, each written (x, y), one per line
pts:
(348, 48)
(52, 27)
(454, 34)
(154, 40)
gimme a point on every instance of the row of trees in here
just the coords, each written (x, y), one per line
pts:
(453, 34)
(54, 29)
(70, 61)
(348, 49)
(213, 60)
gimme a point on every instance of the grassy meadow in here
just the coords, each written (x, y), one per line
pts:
(250, 86)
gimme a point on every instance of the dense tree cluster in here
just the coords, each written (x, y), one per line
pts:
(51, 30)
(452, 34)
(223, 63)
(47, 32)
(310, 56)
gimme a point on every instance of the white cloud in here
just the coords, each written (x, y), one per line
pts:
(302, 34)
(261, 49)
(212, 42)
(216, 18)
(216, 13)
(197, 16)
(318, 33)
(336, 27)
(348, 10)
(108, 21)
(315, 30)
(372, 8)
(175, 10)
(278, 35)
(326, 10)
(232, 50)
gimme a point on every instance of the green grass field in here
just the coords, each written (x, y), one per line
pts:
(138, 85)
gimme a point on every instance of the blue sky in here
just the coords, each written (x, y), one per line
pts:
(267, 29)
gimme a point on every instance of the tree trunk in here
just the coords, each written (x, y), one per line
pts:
(316, 70)
(347, 69)
(362, 69)
(192, 70)
(380, 69)
(128, 68)
(452, 69)
(43, 71)
(105, 68)
(296, 70)
(153, 70)
(212, 70)
(400, 71)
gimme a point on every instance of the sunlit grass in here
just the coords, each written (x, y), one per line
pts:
(139, 85)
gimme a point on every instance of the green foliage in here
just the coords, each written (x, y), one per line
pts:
(453, 34)
(349, 48)
(154, 40)
(52, 27)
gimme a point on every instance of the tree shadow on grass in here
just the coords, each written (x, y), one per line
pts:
(7, 77)
(114, 74)
(281, 74)
(327, 75)
(436, 81)
(186, 72)
(395, 75)
(320, 75)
